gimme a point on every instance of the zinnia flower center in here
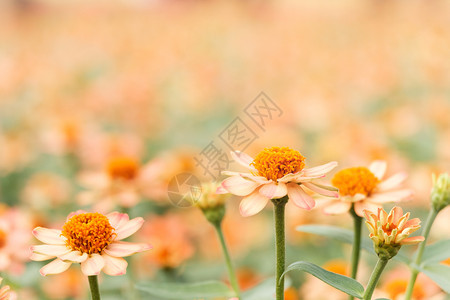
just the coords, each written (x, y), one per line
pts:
(88, 232)
(273, 163)
(2, 238)
(357, 180)
(122, 168)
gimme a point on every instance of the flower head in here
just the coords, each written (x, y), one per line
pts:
(122, 181)
(390, 231)
(440, 193)
(275, 173)
(92, 239)
(364, 188)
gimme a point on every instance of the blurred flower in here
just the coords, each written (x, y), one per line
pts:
(45, 191)
(275, 173)
(6, 293)
(364, 189)
(91, 239)
(390, 232)
(440, 193)
(14, 240)
(396, 280)
(122, 182)
(169, 237)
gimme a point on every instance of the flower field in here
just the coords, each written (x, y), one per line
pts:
(223, 150)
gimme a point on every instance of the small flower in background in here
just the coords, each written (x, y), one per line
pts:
(92, 239)
(395, 281)
(440, 193)
(44, 191)
(122, 182)
(170, 238)
(6, 293)
(275, 173)
(364, 188)
(390, 232)
(14, 240)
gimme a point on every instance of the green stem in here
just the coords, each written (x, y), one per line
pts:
(426, 231)
(379, 267)
(356, 250)
(226, 254)
(279, 205)
(93, 284)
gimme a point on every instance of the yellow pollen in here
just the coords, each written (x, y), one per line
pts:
(123, 167)
(357, 180)
(88, 232)
(2, 238)
(273, 163)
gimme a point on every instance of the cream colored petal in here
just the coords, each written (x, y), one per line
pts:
(51, 250)
(55, 267)
(40, 257)
(273, 190)
(252, 204)
(392, 182)
(337, 207)
(93, 265)
(299, 197)
(242, 159)
(117, 219)
(239, 186)
(49, 236)
(392, 196)
(128, 228)
(122, 249)
(74, 256)
(114, 266)
(378, 168)
(319, 170)
(321, 190)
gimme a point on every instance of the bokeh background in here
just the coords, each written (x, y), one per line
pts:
(82, 82)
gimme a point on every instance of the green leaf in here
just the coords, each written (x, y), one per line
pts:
(188, 291)
(264, 291)
(439, 274)
(343, 283)
(345, 236)
(436, 252)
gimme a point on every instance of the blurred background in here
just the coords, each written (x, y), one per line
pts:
(155, 82)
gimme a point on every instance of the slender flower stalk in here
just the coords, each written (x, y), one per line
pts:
(213, 207)
(280, 244)
(357, 222)
(226, 254)
(93, 285)
(440, 198)
(379, 267)
(431, 217)
(356, 249)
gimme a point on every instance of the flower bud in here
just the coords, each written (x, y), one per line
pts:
(211, 203)
(440, 193)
